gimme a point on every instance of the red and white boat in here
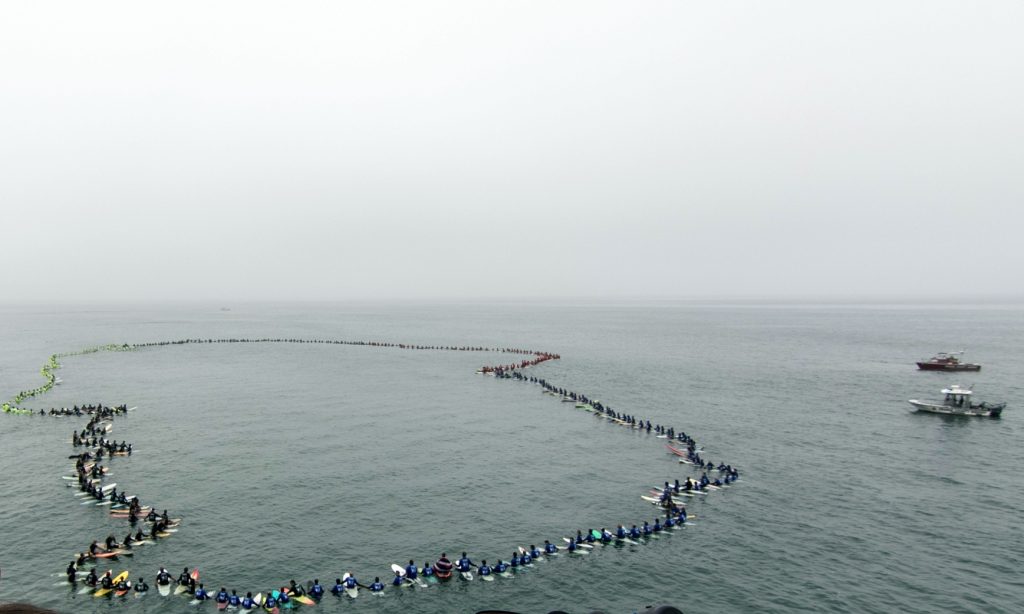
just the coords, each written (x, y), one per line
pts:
(947, 362)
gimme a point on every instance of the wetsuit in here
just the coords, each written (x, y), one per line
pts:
(338, 587)
(141, 586)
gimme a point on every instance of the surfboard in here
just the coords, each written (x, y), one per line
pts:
(467, 575)
(164, 589)
(487, 578)
(118, 578)
(351, 592)
(304, 600)
(106, 555)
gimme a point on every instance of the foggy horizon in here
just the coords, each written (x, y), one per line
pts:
(400, 151)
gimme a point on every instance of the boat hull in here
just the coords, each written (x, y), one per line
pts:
(984, 411)
(932, 366)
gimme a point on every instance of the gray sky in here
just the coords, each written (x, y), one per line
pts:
(376, 150)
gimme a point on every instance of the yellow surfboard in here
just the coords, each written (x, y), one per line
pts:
(113, 584)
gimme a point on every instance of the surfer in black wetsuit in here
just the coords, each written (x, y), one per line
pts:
(296, 590)
(72, 571)
(141, 586)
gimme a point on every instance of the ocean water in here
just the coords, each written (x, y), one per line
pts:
(301, 461)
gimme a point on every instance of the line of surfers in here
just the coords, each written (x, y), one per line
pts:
(675, 513)
(383, 344)
(100, 411)
(441, 570)
(691, 454)
(90, 473)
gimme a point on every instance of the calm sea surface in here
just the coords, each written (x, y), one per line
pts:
(302, 461)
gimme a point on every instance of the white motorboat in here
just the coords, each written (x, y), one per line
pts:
(957, 402)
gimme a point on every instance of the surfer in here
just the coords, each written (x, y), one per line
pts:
(92, 579)
(247, 602)
(549, 548)
(501, 567)
(428, 569)
(338, 587)
(141, 586)
(234, 600)
(376, 586)
(484, 569)
(295, 590)
(222, 596)
(410, 570)
(72, 571)
(464, 563)
(316, 591)
(398, 580)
